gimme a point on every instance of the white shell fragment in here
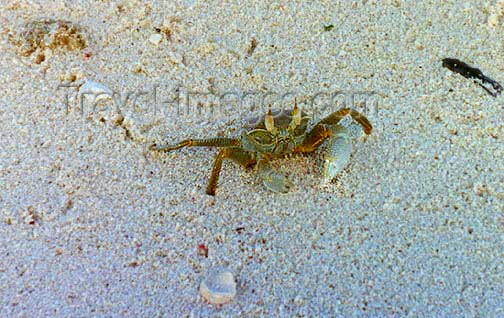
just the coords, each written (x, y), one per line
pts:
(219, 286)
(95, 91)
(155, 38)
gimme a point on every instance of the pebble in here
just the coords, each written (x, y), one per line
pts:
(219, 286)
(155, 38)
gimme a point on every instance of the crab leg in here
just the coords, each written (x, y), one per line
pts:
(324, 129)
(234, 153)
(335, 117)
(210, 142)
(315, 137)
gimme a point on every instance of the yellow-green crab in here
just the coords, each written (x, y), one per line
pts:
(278, 134)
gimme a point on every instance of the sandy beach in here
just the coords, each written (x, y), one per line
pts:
(95, 224)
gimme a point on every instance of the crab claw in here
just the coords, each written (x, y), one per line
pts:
(338, 152)
(277, 182)
(273, 180)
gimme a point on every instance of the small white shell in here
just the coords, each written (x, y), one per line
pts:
(92, 89)
(155, 38)
(219, 287)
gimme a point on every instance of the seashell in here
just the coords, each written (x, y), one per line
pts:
(219, 286)
(94, 89)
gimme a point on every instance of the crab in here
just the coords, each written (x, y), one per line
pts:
(276, 135)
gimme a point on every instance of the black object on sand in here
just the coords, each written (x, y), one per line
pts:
(467, 71)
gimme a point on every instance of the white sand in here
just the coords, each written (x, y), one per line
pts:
(94, 224)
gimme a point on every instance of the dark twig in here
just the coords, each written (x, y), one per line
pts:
(467, 71)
